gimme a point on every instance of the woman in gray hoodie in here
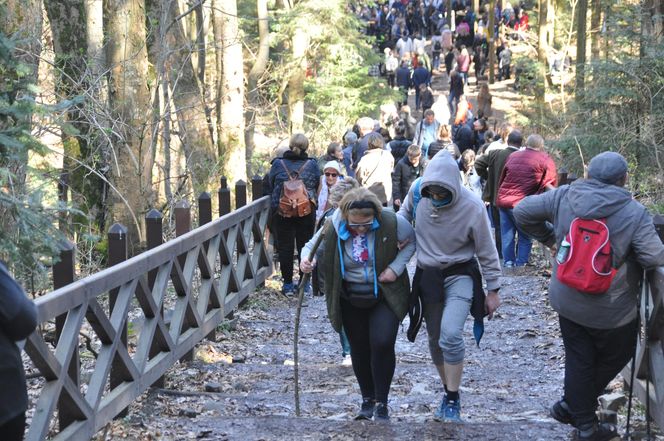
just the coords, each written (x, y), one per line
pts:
(453, 234)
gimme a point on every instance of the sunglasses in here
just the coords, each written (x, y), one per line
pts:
(366, 224)
(333, 175)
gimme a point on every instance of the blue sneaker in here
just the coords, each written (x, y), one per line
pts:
(289, 289)
(448, 411)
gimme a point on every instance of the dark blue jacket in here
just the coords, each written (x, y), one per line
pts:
(403, 77)
(310, 174)
(421, 75)
(348, 160)
(18, 318)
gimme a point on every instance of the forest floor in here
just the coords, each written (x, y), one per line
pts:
(241, 386)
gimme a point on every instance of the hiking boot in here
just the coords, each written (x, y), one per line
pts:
(289, 289)
(381, 412)
(596, 432)
(560, 412)
(367, 409)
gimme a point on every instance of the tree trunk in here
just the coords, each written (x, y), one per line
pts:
(541, 49)
(130, 104)
(582, 15)
(100, 141)
(189, 104)
(595, 29)
(550, 22)
(230, 91)
(257, 70)
(492, 40)
(78, 72)
(449, 14)
(658, 21)
(299, 43)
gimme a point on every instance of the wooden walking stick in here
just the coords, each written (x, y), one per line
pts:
(296, 335)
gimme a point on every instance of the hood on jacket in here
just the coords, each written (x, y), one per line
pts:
(442, 170)
(592, 199)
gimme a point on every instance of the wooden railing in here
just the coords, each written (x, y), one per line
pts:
(140, 316)
(649, 363)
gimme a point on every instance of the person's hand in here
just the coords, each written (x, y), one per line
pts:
(491, 303)
(307, 265)
(387, 276)
(397, 202)
(402, 243)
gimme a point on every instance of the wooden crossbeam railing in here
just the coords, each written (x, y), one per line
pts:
(649, 364)
(201, 276)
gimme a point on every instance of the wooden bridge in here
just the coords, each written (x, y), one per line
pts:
(105, 339)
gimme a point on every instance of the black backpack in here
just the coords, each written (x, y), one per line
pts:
(436, 46)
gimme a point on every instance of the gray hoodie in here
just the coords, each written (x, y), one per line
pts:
(456, 232)
(358, 273)
(634, 245)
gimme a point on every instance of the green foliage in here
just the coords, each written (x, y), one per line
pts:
(338, 89)
(28, 239)
(623, 107)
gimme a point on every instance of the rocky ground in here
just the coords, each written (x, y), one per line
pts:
(241, 386)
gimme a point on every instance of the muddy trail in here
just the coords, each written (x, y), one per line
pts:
(240, 387)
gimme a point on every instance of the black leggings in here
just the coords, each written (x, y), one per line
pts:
(13, 429)
(372, 333)
(290, 231)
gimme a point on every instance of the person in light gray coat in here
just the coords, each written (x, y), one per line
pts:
(453, 243)
(18, 318)
(599, 331)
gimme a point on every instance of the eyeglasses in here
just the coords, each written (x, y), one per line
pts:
(331, 175)
(365, 225)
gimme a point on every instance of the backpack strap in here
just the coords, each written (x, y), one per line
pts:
(286, 168)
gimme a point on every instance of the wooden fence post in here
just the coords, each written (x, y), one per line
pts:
(256, 187)
(240, 194)
(562, 176)
(64, 273)
(204, 217)
(117, 252)
(224, 194)
(155, 237)
(182, 226)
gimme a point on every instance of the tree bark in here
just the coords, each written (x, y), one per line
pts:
(542, 49)
(257, 70)
(550, 22)
(595, 25)
(189, 104)
(131, 107)
(230, 91)
(492, 40)
(299, 43)
(582, 15)
(78, 73)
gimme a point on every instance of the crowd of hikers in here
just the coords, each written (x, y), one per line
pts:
(438, 185)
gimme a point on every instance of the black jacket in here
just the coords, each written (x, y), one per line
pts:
(398, 147)
(403, 176)
(310, 175)
(18, 318)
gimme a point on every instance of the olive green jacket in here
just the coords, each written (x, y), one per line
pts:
(395, 294)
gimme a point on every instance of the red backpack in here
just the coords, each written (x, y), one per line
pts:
(584, 257)
(294, 200)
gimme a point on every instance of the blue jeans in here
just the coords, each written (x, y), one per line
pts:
(508, 231)
(345, 344)
(452, 100)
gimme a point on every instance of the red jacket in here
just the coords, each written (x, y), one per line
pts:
(526, 172)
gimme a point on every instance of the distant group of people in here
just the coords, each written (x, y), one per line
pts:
(379, 200)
